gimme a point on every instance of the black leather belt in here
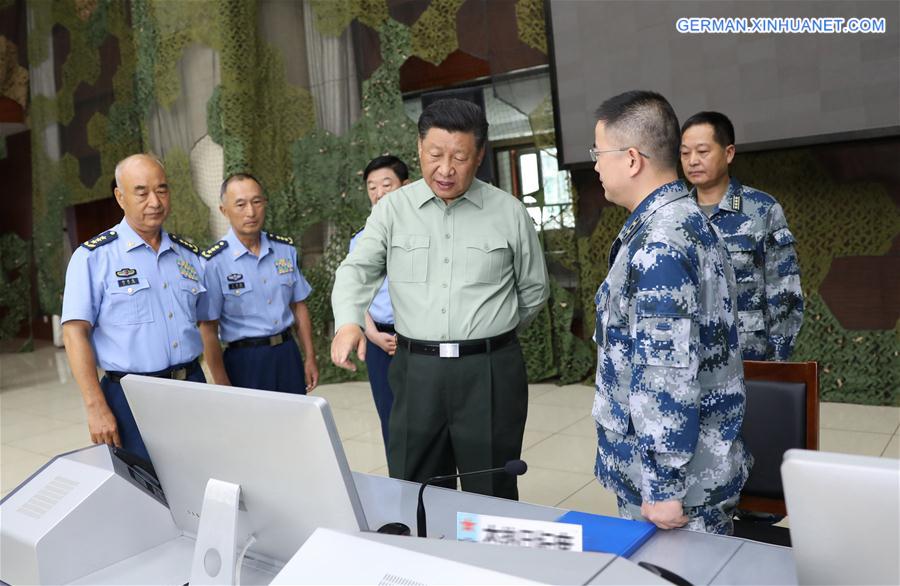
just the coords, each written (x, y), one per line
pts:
(456, 349)
(177, 372)
(279, 338)
(386, 328)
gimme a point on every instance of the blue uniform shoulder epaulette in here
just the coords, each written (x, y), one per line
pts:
(100, 239)
(189, 245)
(214, 249)
(280, 238)
(736, 202)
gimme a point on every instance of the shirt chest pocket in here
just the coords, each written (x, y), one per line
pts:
(742, 250)
(189, 294)
(485, 260)
(128, 303)
(236, 297)
(408, 260)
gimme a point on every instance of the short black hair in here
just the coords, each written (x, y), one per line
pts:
(647, 120)
(723, 129)
(237, 177)
(454, 115)
(387, 161)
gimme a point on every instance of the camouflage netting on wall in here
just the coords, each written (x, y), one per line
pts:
(15, 285)
(831, 220)
(314, 178)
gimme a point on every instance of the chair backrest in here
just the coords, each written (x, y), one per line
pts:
(782, 414)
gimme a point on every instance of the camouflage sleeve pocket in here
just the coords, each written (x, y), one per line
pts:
(663, 340)
(783, 237)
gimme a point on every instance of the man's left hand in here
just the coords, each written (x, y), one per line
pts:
(311, 372)
(664, 514)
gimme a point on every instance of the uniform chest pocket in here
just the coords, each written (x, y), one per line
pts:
(742, 248)
(485, 260)
(235, 294)
(408, 259)
(190, 292)
(129, 301)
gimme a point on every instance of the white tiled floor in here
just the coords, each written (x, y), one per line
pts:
(41, 415)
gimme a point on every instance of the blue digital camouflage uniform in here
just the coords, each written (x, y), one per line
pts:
(143, 306)
(769, 297)
(670, 389)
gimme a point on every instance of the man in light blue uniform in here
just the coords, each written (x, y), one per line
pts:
(132, 300)
(256, 300)
(382, 175)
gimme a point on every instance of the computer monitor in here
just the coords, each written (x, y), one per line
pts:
(282, 449)
(844, 513)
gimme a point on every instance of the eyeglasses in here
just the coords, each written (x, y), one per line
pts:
(594, 152)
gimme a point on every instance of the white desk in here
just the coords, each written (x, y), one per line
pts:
(700, 558)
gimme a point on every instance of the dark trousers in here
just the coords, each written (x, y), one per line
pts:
(377, 363)
(118, 404)
(462, 414)
(267, 368)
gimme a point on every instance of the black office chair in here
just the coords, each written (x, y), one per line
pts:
(782, 413)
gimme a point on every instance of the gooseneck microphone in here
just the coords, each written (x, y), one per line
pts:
(513, 468)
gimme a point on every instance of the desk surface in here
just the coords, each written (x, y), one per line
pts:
(700, 558)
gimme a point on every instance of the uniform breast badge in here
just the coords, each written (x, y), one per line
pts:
(235, 281)
(127, 277)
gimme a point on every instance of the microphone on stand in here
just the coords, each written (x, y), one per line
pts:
(513, 468)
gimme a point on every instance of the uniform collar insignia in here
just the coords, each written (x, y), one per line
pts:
(235, 277)
(733, 199)
(126, 272)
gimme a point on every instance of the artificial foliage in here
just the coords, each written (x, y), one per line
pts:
(15, 285)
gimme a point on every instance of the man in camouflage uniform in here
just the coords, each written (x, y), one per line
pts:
(670, 390)
(752, 223)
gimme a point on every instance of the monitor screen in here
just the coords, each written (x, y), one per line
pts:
(787, 73)
(282, 449)
(844, 512)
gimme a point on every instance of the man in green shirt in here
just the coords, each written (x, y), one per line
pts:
(465, 270)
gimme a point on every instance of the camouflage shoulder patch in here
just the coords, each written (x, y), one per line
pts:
(100, 239)
(279, 238)
(186, 244)
(214, 249)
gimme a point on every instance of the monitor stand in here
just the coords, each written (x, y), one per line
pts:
(215, 552)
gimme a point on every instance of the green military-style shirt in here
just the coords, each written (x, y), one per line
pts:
(472, 269)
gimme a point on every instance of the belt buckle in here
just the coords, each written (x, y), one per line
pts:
(179, 374)
(449, 350)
